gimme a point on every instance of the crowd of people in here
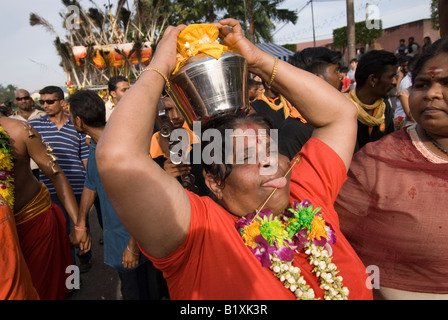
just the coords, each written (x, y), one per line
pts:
(375, 173)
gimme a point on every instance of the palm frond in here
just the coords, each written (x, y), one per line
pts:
(36, 20)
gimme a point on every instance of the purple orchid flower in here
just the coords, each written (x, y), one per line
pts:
(300, 239)
(305, 203)
(330, 233)
(286, 253)
(262, 251)
(242, 223)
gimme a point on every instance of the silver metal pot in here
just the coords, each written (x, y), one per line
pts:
(205, 86)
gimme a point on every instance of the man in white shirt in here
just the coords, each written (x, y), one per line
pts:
(117, 86)
(27, 111)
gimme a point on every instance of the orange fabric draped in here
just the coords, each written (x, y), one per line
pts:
(45, 245)
(15, 278)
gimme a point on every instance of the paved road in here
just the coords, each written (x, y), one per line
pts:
(101, 282)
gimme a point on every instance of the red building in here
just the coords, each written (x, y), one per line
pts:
(391, 36)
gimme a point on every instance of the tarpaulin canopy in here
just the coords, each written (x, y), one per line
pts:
(275, 50)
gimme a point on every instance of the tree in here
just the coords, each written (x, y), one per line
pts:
(363, 34)
(96, 38)
(7, 93)
(351, 30)
(435, 14)
(193, 11)
(257, 17)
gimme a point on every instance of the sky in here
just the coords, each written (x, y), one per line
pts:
(28, 58)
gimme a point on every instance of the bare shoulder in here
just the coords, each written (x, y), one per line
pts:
(19, 133)
(14, 127)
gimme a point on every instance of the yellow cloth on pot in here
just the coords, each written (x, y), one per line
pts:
(195, 39)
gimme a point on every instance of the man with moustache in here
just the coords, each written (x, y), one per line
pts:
(26, 112)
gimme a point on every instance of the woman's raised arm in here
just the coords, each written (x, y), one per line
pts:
(324, 107)
(152, 205)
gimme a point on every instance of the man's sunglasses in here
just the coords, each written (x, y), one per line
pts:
(23, 98)
(42, 102)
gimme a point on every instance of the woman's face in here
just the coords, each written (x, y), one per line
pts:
(428, 100)
(250, 183)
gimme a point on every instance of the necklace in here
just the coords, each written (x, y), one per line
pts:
(435, 143)
(274, 240)
(6, 169)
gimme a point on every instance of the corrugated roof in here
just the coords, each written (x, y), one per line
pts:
(275, 50)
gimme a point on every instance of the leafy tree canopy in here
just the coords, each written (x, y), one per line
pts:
(7, 93)
(362, 33)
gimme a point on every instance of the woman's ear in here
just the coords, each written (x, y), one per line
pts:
(214, 185)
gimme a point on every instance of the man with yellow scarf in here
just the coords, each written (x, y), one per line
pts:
(375, 76)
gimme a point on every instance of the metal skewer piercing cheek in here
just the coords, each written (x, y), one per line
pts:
(257, 211)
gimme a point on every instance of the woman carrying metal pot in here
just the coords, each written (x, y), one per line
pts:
(270, 231)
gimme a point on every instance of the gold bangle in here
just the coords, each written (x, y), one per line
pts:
(159, 72)
(274, 72)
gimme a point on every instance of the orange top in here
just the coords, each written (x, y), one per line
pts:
(15, 278)
(214, 263)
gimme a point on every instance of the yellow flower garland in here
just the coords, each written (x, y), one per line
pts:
(6, 169)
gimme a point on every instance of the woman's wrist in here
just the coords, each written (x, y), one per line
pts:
(265, 66)
(80, 228)
(134, 252)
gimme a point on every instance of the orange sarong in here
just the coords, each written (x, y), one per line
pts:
(15, 278)
(45, 245)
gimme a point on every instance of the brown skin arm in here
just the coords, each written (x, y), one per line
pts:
(26, 147)
(152, 205)
(131, 254)
(79, 237)
(38, 152)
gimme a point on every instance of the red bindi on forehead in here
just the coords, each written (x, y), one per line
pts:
(255, 128)
(434, 71)
(251, 126)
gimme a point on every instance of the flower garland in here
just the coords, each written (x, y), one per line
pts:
(273, 241)
(6, 169)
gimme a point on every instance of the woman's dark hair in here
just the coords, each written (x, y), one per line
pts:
(228, 121)
(438, 47)
(89, 107)
(373, 62)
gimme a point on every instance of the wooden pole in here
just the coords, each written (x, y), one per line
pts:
(351, 35)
